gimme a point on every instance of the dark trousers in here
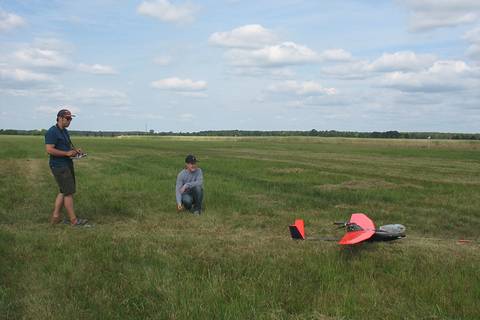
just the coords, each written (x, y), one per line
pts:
(192, 199)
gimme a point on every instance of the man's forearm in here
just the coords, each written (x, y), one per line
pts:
(58, 153)
(178, 197)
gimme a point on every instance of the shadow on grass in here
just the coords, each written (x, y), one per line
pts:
(357, 251)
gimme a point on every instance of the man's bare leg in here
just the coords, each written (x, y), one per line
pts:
(57, 214)
(68, 203)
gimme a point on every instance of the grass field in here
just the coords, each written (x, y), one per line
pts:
(142, 260)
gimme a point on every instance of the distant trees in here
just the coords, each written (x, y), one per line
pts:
(23, 132)
(251, 133)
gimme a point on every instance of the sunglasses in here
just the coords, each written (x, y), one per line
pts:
(68, 118)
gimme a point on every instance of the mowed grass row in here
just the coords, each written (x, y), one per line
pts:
(142, 260)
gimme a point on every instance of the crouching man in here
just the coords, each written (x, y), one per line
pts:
(189, 188)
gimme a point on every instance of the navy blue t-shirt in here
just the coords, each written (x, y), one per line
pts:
(61, 139)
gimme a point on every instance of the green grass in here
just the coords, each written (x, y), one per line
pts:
(142, 260)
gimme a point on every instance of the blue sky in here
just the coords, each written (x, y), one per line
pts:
(406, 65)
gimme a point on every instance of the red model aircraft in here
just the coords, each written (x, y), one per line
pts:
(359, 228)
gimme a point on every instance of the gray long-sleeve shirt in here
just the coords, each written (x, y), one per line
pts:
(188, 179)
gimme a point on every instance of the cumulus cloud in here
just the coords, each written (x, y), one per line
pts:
(179, 85)
(323, 101)
(248, 36)
(474, 51)
(443, 76)
(402, 61)
(250, 48)
(9, 21)
(357, 69)
(46, 54)
(22, 75)
(473, 36)
(168, 12)
(431, 14)
(20, 79)
(97, 69)
(336, 55)
(284, 54)
(305, 88)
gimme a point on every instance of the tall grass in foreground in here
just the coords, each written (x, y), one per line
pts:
(142, 260)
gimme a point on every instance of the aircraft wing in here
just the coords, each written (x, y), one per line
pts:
(367, 229)
(363, 221)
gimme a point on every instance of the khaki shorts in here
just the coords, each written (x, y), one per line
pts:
(65, 177)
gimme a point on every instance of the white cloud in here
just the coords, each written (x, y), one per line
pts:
(305, 88)
(473, 36)
(47, 54)
(352, 70)
(168, 12)
(336, 55)
(402, 61)
(474, 51)
(248, 36)
(96, 69)
(323, 101)
(179, 85)
(432, 14)
(284, 54)
(299, 95)
(22, 82)
(252, 48)
(22, 75)
(10, 21)
(443, 76)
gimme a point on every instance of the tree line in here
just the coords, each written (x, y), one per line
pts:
(251, 133)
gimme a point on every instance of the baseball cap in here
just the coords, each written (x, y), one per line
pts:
(191, 159)
(64, 113)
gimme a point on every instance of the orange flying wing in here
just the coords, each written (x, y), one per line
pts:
(359, 228)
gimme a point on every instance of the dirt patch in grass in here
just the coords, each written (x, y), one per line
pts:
(33, 169)
(359, 185)
(30, 169)
(287, 170)
(411, 185)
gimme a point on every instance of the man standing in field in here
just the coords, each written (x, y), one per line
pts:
(189, 187)
(61, 150)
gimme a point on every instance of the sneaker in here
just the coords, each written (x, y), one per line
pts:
(80, 223)
(197, 212)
